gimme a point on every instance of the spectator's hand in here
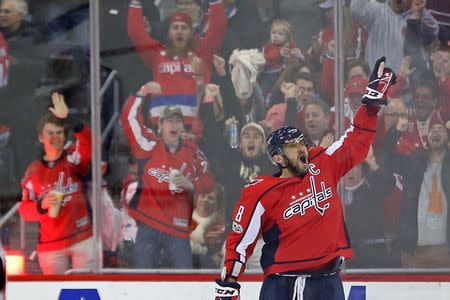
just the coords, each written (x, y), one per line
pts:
(59, 108)
(198, 67)
(327, 140)
(405, 67)
(267, 126)
(285, 51)
(150, 88)
(188, 136)
(331, 48)
(402, 124)
(229, 122)
(417, 8)
(438, 65)
(183, 183)
(49, 200)
(219, 65)
(212, 90)
(371, 160)
(316, 47)
(288, 89)
(296, 54)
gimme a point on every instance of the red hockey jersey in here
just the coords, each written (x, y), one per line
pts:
(154, 204)
(73, 223)
(301, 219)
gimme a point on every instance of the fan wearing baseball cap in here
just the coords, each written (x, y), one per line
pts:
(184, 59)
(171, 170)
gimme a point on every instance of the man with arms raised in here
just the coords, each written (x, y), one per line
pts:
(299, 212)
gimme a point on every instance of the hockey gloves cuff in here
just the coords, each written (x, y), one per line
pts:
(379, 83)
(227, 290)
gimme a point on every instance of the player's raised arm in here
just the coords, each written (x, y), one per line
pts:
(380, 81)
(353, 146)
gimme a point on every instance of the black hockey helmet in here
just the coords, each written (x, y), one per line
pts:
(279, 137)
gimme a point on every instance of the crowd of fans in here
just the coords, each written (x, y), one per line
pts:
(200, 86)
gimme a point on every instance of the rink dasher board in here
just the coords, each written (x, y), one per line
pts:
(168, 290)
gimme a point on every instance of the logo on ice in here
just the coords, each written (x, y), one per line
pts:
(312, 199)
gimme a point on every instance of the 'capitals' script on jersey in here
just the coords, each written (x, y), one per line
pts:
(174, 66)
(162, 175)
(312, 198)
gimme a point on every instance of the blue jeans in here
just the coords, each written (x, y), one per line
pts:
(316, 288)
(155, 249)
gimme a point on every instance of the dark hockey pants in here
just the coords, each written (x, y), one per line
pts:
(316, 288)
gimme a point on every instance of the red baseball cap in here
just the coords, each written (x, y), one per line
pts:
(181, 17)
(356, 86)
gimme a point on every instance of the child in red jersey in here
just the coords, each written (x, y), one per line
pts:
(53, 194)
(281, 50)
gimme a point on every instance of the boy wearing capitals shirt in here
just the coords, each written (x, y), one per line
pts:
(280, 51)
(53, 194)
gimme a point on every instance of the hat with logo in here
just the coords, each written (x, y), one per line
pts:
(356, 86)
(170, 111)
(181, 17)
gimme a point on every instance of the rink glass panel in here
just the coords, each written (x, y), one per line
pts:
(57, 58)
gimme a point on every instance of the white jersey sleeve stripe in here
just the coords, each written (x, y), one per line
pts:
(250, 235)
(237, 267)
(336, 145)
(143, 142)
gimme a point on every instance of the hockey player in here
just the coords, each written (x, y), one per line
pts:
(54, 195)
(299, 212)
(162, 204)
